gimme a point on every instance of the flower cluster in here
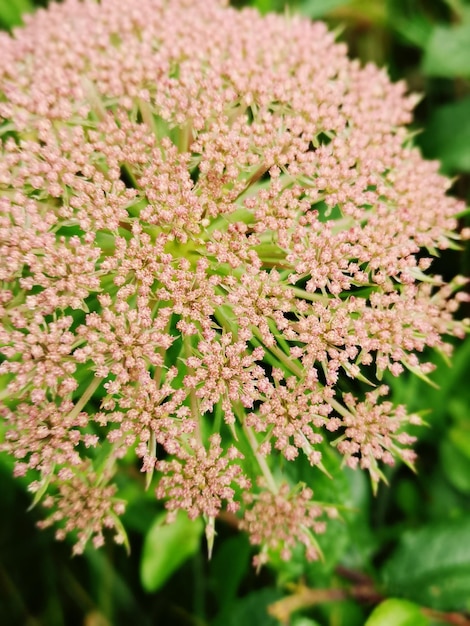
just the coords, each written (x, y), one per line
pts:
(371, 432)
(210, 221)
(281, 520)
(83, 503)
(198, 481)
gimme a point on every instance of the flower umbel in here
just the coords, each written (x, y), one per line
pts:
(283, 519)
(214, 229)
(371, 433)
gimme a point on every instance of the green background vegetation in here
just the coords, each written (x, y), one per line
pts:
(401, 558)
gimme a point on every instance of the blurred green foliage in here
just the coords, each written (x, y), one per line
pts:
(401, 558)
(395, 612)
(12, 10)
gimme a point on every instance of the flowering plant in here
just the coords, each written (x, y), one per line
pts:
(215, 233)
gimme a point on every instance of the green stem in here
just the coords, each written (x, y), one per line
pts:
(94, 99)
(193, 401)
(185, 137)
(306, 295)
(280, 355)
(339, 408)
(147, 116)
(152, 451)
(254, 178)
(261, 460)
(86, 396)
(254, 445)
(225, 323)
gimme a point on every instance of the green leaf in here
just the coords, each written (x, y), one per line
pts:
(410, 22)
(300, 620)
(447, 52)
(344, 613)
(12, 10)
(456, 466)
(263, 6)
(252, 610)
(319, 8)
(441, 501)
(226, 580)
(407, 497)
(460, 437)
(432, 566)
(166, 547)
(394, 612)
(447, 136)
(109, 584)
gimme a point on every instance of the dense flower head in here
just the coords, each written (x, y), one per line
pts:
(371, 432)
(209, 221)
(278, 521)
(83, 503)
(198, 481)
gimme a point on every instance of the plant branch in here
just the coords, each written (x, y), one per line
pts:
(362, 590)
